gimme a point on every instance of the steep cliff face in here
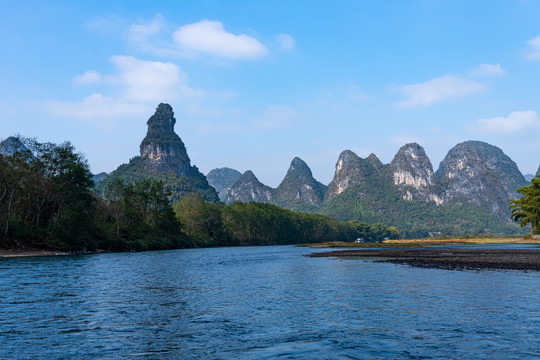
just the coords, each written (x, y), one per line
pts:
(249, 189)
(413, 174)
(222, 180)
(162, 149)
(351, 170)
(466, 176)
(299, 190)
(164, 157)
(12, 145)
(504, 167)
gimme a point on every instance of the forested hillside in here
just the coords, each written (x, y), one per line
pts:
(48, 201)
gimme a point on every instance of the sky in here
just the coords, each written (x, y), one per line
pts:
(254, 84)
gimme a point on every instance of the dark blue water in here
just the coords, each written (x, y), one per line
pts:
(261, 303)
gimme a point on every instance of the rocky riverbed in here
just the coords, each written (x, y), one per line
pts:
(449, 258)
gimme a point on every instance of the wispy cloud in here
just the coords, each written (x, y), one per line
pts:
(285, 42)
(141, 32)
(516, 121)
(148, 81)
(435, 90)
(135, 87)
(533, 49)
(98, 108)
(488, 70)
(210, 38)
(89, 77)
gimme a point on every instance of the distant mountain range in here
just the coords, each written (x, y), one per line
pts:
(468, 193)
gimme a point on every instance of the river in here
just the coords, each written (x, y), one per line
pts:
(261, 303)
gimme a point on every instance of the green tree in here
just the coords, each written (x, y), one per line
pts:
(526, 210)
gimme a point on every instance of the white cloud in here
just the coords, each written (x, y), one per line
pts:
(488, 70)
(275, 117)
(515, 122)
(148, 81)
(98, 107)
(140, 33)
(533, 49)
(285, 42)
(89, 77)
(135, 88)
(434, 90)
(210, 38)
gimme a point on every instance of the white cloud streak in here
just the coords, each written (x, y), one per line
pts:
(486, 70)
(285, 42)
(516, 121)
(140, 33)
(210, 38)
(136, 86)
(435, 90)
(533, 49)
(97, 107)
(148, 81)
(89, 77)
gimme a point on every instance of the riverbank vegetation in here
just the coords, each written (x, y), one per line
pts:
(48, 201)
(526, 209)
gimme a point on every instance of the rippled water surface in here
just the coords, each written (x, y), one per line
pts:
(261, 303)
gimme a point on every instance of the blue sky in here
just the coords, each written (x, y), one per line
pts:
(255, 83)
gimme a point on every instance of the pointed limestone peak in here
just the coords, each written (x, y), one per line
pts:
(162, 121)
(249, 176)
(346, 157)
(538, 172)
(222, 180)
(352, 170)
(299, 166)
(462, 158)
(374, 161)
(413, 174)
(471, 157)
(162, 149)
(412, 154)
(12, 145)
(299, 190)
(373, 158)
(249, 189)
(478, 173)
(500, 163)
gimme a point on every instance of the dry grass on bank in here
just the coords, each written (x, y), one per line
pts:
(425, 242)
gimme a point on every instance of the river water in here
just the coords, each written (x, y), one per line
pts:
(261, 303)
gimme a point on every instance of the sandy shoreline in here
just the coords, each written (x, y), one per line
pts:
(449, 258)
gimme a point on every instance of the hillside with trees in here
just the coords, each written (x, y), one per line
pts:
(48, 201)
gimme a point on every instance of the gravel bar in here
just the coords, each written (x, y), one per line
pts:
(449, 258)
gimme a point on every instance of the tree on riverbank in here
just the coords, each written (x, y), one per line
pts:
(45, 197)
(526, 210)
(48, 201)
(139, 216)
(216, 224)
